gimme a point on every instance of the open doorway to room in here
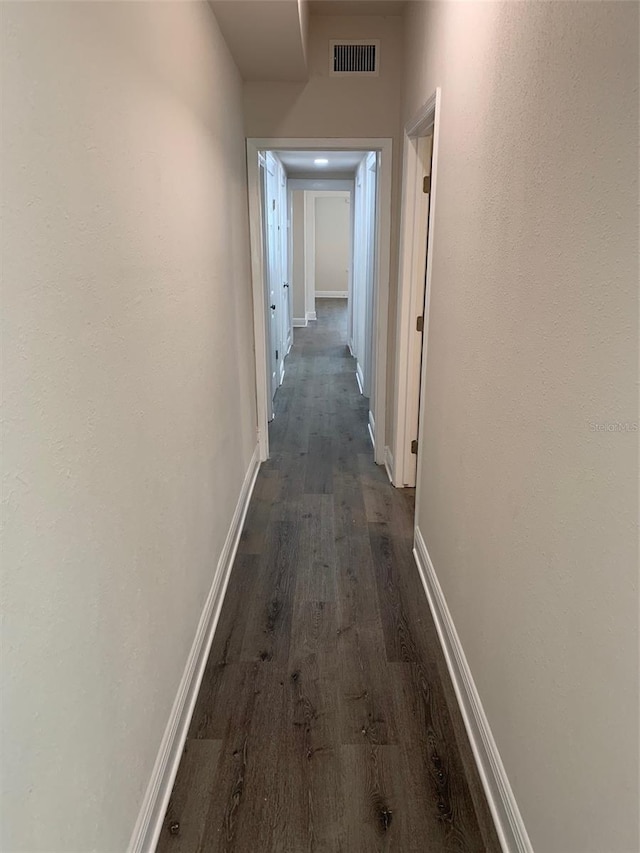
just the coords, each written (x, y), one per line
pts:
(328, 250)
(333, 215)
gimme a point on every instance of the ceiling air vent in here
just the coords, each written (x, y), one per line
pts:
(354, 57)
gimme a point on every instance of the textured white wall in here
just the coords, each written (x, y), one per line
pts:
(332, 243)
(528, 513)
(129, 416)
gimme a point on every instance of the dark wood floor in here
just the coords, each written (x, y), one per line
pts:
(326, 720)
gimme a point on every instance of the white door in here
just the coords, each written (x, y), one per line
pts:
(285, 314)
(272, 290)
(371, 196)
(364, 270)
(425, 148)
(358, 288)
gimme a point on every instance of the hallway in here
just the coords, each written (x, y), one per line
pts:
(326, 719)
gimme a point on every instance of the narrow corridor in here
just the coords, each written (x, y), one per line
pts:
(326, 719)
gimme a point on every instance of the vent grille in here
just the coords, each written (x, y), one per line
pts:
(355, 57)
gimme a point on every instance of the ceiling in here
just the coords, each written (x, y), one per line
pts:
(340, 162)
(267, 38)
(356, 7)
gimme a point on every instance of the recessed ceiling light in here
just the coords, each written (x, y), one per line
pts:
(321, 161)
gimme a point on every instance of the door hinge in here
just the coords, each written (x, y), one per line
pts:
(276, 355)
(426, 184)
(414, 445)
(419, 323)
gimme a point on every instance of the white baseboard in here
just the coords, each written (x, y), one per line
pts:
(311, 315)
(388, 464)
(332, 294)
(300, 322)
(359, 378)
(506, 815)
(149, 823)
(350, 345)
(372, 429)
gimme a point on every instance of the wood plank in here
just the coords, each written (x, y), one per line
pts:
(194, 790)
(265, 493)
(373, 808)
(292, 484)
(384, 504)
(319, 473)
(208, 721)
(313, 744)
(317, 562)
(244, 765)
(398, 636)
(267, 634)
(367, 708)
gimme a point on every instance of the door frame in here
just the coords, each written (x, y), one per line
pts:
(415, 268)
(310, 197)
(307, 185)
(381, 300)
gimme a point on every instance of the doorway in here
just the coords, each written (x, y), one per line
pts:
(414, 285)
(322, 244)
(374, 157)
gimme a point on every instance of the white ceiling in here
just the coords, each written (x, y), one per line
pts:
(356, 7)
(340, 162)
(267, 38)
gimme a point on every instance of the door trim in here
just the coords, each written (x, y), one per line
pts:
(310, 293)
(381, 301)
(417, 220)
